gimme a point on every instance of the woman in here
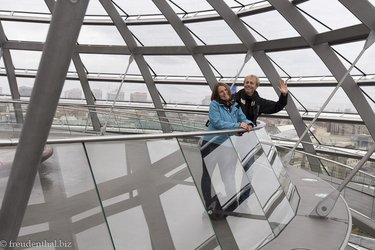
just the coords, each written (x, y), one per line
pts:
(223, 114)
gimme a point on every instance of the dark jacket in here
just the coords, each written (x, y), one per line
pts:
(253, 106)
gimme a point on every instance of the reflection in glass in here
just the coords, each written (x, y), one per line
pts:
(228, 196)
(260, 171)
(148, 184)
(64, 204)
(223, 171)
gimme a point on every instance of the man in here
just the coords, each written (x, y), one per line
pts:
(253, 105)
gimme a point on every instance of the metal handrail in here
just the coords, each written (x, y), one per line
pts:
(14, 142)
(321, 158)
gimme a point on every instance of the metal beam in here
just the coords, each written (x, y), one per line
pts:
(3, 38)
(140, 60)
(149, 196)
(12, 80)
(234, 23)
(187, 39)
(247, 38)
(349, 34)
(330, 59)
(13, 86)
(63, 32)
(83, 80)
(291, 108)
(363, 10)
(190, 17)
(353, 33)
(87, 91)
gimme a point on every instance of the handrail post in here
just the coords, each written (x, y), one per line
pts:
(325, 206)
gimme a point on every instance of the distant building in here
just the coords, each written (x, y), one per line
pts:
(25, 91)
(98, 93)
(111, 96)
(73, 93)
(362, 141)
(138, 97)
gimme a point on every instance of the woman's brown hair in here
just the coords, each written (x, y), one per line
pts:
(215, 91)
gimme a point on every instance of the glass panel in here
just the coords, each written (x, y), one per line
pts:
(289, 189)
(350, 51)
(192, 5)
(254, 222)
(267, 92)
(220, 62)
(213, 32)
(264, 137)
(4, 86)
(185, 94)
(137, 120)
(95, 8)
(187, 121)
(259, 171)
(339, 102)
(65, 184)
(228, 196)
(8, 117)
(115, 64)
(358, 193)
(369, 91)
(99, 89)
(174, 65)
(341, 135)
(271, 25)
(302, 62)
(156, 35)
(24, 5)
(225, 181)
(133, 92)
(25, 86)
(232, 3)
(246, 2)
(23, 31)
(5, 118)
(140, 7)
(279, 215)
(106, 35)
(72, 90)
(366, 60)
(6, 156)
(342, 17)
(23, 59)
(136, 190)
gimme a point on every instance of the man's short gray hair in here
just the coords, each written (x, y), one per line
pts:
(257, 81)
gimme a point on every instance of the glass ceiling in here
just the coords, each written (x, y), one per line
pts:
(174, 55)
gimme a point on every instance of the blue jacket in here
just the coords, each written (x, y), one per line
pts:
(221, 118)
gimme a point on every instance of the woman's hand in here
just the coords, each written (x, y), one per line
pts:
(245, 126)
